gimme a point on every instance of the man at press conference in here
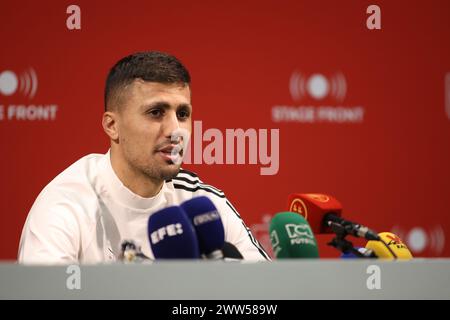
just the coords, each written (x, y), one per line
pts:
(86, 213)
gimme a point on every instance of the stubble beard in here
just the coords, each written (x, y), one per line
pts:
(159, 172)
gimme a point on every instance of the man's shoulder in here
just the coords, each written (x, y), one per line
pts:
(188, 183)
(81, 168)
(74, 186)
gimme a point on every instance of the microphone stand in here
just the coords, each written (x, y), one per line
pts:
(342, 244)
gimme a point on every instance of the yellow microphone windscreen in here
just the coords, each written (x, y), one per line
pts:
(394, 243)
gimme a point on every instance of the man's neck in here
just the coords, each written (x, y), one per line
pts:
(137, 182)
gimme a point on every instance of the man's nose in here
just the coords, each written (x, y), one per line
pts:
(170, 124)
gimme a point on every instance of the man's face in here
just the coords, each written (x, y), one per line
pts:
(150, 114)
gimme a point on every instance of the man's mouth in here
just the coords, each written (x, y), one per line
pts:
(168, 152)
(167, 149)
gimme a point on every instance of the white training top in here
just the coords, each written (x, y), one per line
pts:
(85, 213)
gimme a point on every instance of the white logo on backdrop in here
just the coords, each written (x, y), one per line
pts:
(322, 97)
(318, 86)
(419, 239)
(26, 83)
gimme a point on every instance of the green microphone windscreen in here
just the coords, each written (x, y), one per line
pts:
(292, 237)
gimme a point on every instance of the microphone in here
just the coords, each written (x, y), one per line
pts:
(230, 252)
(390, 246)
(208, 225)
(292, 237)
(171, 235)
(131, 252)
(323, 212)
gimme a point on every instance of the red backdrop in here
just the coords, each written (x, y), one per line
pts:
(388, 164)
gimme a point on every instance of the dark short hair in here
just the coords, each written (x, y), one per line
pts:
(152, 66)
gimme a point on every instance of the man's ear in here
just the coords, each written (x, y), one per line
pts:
(110, 125)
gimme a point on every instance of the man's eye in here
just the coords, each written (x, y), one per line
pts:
(183, 114)
(155, 113)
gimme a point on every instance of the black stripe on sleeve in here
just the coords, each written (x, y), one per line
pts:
(198, 183)
(199, 187)
(188, 172)
(194, 181)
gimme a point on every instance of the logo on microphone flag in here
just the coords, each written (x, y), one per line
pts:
(275, 241)
(395, 240)
(298, 206)
(170, 230)
(300, 234)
